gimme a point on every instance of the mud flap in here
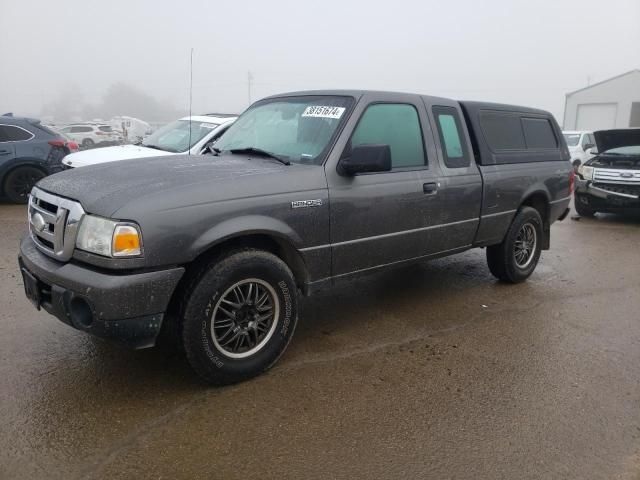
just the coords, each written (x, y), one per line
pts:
(546, 238)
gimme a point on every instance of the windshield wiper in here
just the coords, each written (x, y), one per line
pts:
(259, 151)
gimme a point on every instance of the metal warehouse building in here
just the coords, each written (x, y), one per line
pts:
(612, 103)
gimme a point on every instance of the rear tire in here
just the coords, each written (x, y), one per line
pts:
(583, 209)
(20, 181)
(515, 259)
(238, 315)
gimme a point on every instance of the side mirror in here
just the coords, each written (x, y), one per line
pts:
(588, 146)
(366, 159)
(592, 150)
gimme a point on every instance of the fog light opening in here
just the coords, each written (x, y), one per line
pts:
(80, 312)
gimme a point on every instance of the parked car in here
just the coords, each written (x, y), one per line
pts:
(172, 139)
(28, 152)
(610, 181)
(89, 135)
(133, 130)
(304, 190)
(579, 144)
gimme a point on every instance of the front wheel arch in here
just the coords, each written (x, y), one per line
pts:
(14, 168)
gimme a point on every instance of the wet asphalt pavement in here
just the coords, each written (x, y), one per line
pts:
(430, 371)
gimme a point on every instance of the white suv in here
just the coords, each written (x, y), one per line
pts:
(92, 134)
(579, 143)
(190, 135)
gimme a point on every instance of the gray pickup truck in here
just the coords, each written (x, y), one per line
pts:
(304, 190)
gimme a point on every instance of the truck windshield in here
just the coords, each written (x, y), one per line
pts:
(298, 129)
(572, 139)
(175, 136)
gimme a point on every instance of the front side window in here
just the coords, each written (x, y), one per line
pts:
(298, 129)
(176, 137)
(396, 125)
(455, 152)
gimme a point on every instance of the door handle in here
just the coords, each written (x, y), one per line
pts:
(4, 152)
(430, 188)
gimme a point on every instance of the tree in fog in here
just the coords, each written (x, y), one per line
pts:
(119, 99)
(124, 99)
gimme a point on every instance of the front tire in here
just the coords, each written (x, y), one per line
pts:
(515, 259)
(238, 316)
(88, 143)
(582, 206)
(20, 181)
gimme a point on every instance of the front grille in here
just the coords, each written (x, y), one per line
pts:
(633, 190)
(53, 223)
(617, 176)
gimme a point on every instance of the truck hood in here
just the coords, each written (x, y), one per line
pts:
(608, 139)
(173, 181)
(111, 154)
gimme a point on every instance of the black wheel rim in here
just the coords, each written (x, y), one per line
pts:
(22, 181)
(244, 318)
(525, 245)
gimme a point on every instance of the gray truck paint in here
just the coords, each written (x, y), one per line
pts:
(186, 205)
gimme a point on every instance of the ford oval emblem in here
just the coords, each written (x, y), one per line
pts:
(38, 222)
(626, 174)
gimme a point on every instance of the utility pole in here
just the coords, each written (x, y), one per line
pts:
(249, 80)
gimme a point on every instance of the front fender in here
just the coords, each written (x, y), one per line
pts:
(245, 225)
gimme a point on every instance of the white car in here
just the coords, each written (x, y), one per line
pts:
(172, 139)
(88, 135)
(579, 143)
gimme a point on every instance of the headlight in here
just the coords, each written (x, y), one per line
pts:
(585, 172)
(108, 238)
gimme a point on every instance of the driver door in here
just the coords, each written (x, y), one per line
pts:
(383, 217)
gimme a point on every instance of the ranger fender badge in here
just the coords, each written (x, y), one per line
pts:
(307, 203)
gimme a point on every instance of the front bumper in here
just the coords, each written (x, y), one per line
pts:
(605, 197)
(127, 307)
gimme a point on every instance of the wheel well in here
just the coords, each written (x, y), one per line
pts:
(278, 246)
(3, 179)
(540, 202)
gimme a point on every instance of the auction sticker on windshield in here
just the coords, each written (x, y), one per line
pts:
(323, 112)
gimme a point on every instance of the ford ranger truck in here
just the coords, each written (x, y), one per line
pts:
(610, 181)
(304, 190)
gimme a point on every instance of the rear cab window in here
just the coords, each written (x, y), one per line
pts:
(449, 128)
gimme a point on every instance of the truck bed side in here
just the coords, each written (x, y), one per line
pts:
(523, 160)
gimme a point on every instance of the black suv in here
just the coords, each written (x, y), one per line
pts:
(29, 152)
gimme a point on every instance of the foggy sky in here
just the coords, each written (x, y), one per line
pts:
(526, 52)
